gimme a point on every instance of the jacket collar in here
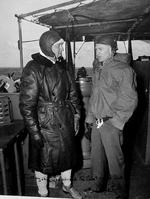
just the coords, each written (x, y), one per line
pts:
(42, 60)
(107, 61)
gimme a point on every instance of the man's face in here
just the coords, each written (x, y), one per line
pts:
(58, 48)
(103, 52)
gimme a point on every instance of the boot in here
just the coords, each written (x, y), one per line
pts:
(72, 191)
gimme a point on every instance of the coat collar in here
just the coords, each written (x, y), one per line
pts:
(42, 60)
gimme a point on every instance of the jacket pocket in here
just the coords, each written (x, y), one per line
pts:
(44, 116)
(66, 116)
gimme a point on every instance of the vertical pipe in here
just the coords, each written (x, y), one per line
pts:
(94, 47)
(74, 51)
(20, 43)
(74, 56)
(130, 46)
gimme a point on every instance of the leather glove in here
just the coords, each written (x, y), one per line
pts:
(76, 124)
(37, 140)
(89, 131)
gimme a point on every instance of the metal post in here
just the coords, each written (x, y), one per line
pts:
(130, 46)
(74, 52)
(20, 43)
(94, 47)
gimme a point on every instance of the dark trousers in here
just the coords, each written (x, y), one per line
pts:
(107, 159)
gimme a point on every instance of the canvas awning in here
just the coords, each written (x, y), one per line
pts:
(97, 17)
(87, 19)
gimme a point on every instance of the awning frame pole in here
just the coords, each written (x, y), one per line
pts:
(20, 43)
(74, 52)
(130, 46)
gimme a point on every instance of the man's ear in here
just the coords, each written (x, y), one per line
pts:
(53, 48)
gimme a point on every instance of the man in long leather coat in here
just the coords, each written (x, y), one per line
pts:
(112, 102)
(50, 108)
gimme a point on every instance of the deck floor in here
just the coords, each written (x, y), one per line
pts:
(139, 181)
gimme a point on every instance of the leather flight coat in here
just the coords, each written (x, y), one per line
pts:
(48, 102)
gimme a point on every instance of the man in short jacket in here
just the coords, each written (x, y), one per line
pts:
(112, 102)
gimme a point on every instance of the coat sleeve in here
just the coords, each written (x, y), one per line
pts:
(127, 99)
(28, 99)
(74, 97)
(89, 117)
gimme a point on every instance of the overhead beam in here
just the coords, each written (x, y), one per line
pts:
(93, 23)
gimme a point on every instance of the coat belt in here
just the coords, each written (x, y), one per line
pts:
(54, 104)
